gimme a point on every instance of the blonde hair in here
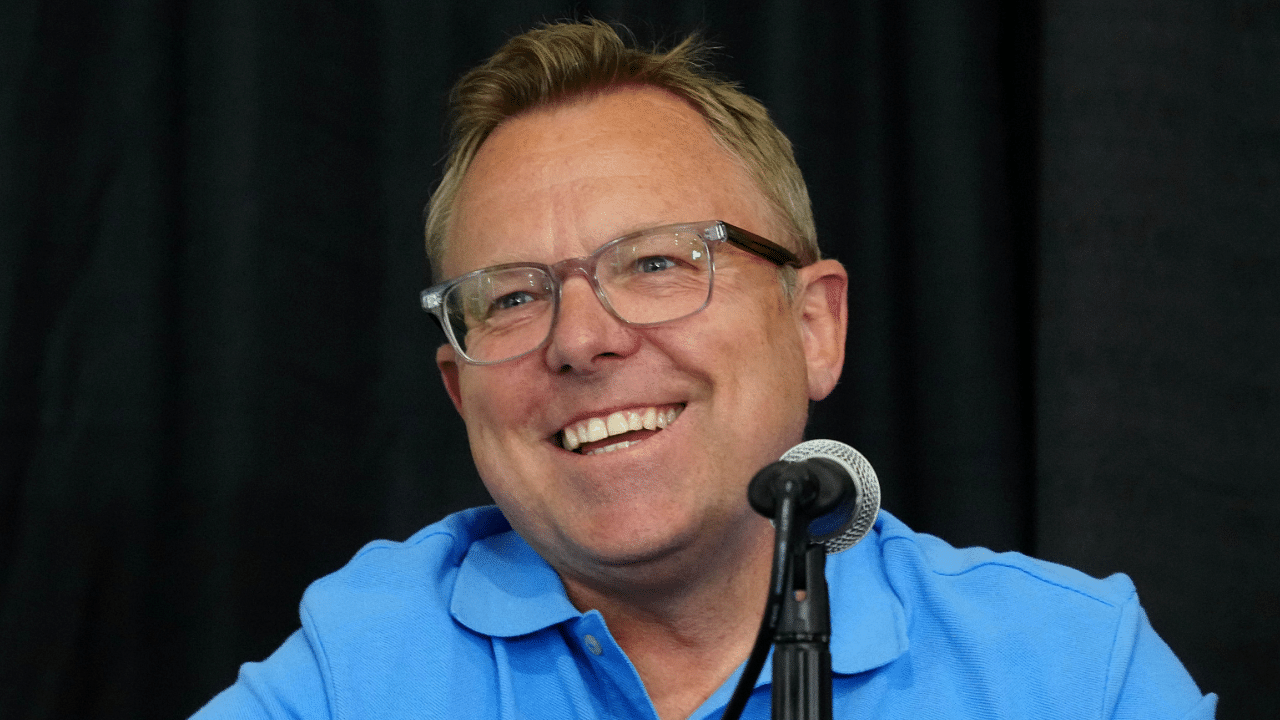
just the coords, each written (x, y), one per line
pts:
(568, 60)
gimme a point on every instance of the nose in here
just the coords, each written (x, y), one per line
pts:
(586, 337)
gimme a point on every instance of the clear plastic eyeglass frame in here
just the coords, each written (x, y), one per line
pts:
(712, 233)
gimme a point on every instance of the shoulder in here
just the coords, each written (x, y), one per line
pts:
(1007, 613)
(991, 578)
(391, 579)
(1004, 630)
(377, 636)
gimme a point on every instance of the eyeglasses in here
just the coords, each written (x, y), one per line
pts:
(646, 278)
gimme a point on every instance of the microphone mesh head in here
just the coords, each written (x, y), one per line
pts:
(866, 499)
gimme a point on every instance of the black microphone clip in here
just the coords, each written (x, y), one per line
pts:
(817, 485)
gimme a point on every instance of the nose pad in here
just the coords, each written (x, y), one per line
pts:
(584, 266)
(566, 269)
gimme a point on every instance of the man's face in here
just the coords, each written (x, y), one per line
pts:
(736, 377)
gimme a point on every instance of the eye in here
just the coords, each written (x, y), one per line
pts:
(654, 263)
(513, 300)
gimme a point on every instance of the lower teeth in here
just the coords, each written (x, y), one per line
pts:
(611, 448)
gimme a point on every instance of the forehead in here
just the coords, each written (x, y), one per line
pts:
(559, 181)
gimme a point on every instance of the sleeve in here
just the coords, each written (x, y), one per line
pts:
(1146, 680)
(288, 685)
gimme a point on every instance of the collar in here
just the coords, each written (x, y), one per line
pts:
(505, 589)
(868, 621)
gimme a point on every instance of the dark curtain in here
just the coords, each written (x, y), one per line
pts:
(1060, 221)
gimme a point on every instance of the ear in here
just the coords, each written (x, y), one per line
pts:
(822, 306)
(447, 361)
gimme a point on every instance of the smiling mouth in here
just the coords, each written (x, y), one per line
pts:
(618, 430)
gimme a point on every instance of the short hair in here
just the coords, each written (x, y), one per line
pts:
(565, 61)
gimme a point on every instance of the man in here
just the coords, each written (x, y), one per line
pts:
(638, 319)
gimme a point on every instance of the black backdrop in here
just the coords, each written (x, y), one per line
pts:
(1060, 220)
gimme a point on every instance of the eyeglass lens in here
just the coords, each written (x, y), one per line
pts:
(646, 279)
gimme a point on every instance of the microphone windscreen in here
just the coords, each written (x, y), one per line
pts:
(848, 523)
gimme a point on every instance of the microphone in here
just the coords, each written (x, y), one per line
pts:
(843, 476)
(833, 487)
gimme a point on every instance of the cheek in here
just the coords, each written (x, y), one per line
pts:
(751, 347)
(491, 411)
(487, 402)
(764, 329)
(501, 403)
(769, 358)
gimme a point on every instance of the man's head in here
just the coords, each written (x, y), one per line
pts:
(565, 62)
(726, 388)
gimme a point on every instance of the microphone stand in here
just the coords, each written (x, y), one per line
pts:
(802, 642)
(797, 618)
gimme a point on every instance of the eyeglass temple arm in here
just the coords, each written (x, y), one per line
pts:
(757, 245)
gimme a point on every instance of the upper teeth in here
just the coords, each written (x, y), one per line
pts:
(597, 428)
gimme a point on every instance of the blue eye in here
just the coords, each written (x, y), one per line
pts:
(513, 300)
(655, 263)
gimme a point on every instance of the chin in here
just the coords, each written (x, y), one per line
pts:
(608, 537)
(667, 539)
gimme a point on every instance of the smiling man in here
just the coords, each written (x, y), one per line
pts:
(637, 319)
(648, 525)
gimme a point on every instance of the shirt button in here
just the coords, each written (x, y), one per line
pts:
(593, 645)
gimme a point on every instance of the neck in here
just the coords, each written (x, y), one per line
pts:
(689, 627)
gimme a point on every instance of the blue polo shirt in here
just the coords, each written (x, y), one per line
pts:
(465, 620)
